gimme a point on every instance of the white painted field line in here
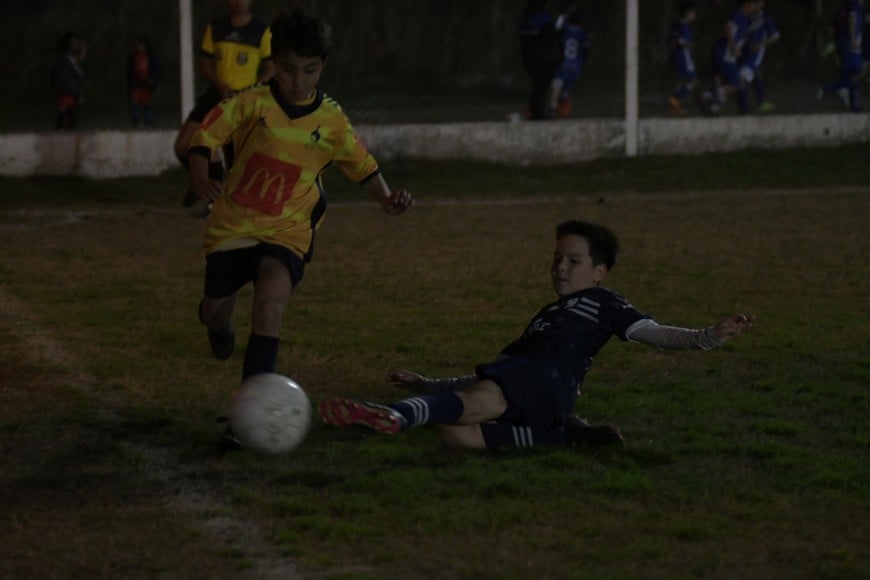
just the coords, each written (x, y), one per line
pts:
(164, 468)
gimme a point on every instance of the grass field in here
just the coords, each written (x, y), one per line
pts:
(748, 462)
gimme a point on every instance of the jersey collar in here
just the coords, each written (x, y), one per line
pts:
(296, 111)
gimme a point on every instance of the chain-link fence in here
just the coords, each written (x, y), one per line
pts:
(414, 61)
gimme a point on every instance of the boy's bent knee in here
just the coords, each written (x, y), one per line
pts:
(462, 437)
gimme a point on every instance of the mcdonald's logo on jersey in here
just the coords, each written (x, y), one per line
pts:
(266, 184)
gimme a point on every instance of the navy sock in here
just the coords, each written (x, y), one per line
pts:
(743, 100)
(855, 97)
(758, 85)
(441, 409)
(499, 435)
(260, 356)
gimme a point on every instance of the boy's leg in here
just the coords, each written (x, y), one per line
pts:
(576, 433)
(484, 401)
(272, 289)
(216, 314)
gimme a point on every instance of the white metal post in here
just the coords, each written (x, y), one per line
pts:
(631, 77)
(185, 45)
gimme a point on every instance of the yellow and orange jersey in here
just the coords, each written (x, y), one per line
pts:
(273, 189)
(237, 51)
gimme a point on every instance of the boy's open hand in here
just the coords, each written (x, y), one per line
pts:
(733, 326)
(207, 190)
(399, 201)
(406, 380)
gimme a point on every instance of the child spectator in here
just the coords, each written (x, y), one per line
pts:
(848, 29)
(525, 397)
(682, 43)
(575, 50)
(762, 33)
(539, 46)
(235, 53)
(726, 55)
(143, 76)
(67, 78)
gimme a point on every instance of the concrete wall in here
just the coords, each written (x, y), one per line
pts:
(126, 153)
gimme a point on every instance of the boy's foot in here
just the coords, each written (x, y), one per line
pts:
(675, 108)
(343, 412)
(189, 199)
(222, 343)
(228, 441)
(579, 433)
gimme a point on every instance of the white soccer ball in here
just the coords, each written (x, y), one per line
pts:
(270, 414)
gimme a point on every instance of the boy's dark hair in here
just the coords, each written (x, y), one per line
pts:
(684, 7)
(302, 33)
(603, 245)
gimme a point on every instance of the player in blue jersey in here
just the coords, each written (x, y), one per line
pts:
(762, 33)
(848, 29)
(575, 49)
(681, 43)
(526, 396)
(726, 55)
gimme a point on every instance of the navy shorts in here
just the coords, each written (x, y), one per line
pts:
(539, 392)
(226, 272)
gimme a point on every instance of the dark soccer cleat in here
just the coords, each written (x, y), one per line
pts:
(222, 343)
(343, 412)
(579, 433)
(228, 441)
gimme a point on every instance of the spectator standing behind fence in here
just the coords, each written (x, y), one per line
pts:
(848, 29)
(540, 50)
(143, 76)
(575, 50)
(681, 43)
(726, 56)
(762, 33)
(235, 50)
(67, 78)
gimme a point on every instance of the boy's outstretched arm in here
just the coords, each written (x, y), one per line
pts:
(650, 332)
(733, 326)
(393, 202)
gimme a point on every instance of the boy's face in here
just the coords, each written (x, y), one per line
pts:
(239, 6)
(572, 268)
(297, 76)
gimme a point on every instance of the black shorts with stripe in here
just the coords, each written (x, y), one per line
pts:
(540, 392)
(226, 272)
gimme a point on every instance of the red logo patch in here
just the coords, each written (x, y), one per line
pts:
(267, 184)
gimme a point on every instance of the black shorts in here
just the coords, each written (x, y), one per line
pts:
(539, 392)
(226, 272)
(204, 103)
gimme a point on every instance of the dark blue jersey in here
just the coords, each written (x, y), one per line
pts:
(681, 37)
(569, 332)
(849, 17)
(761, 29)
(738, 26)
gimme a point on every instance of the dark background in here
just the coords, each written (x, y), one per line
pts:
(396, 61)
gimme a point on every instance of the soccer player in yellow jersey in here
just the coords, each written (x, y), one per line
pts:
(235, 53)
(262, 224)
